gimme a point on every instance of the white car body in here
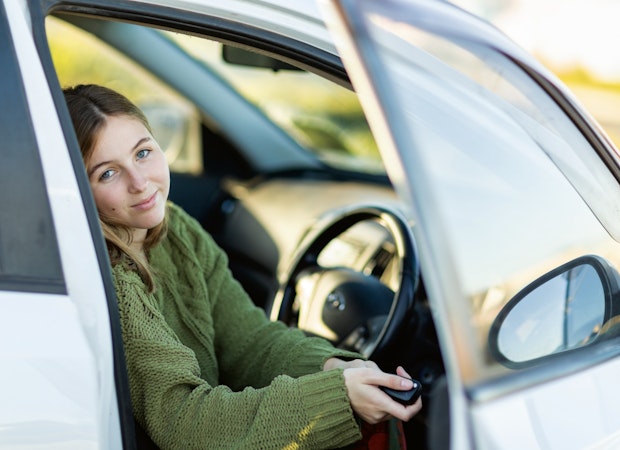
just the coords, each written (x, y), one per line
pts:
(59, 385)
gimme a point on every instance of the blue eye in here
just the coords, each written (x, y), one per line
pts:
(143, 153)
(107, 174)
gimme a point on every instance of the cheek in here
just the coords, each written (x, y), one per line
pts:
(163, 172)
(106, 200)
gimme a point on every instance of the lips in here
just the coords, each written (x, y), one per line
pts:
(147, 203)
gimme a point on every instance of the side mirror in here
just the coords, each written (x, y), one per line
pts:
(569, 307)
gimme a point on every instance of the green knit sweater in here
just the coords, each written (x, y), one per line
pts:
(208, 370)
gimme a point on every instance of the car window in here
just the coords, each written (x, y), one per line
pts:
(324, 117)
(79, 57)
(29, 256)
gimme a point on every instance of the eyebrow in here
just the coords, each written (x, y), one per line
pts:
(103, 163)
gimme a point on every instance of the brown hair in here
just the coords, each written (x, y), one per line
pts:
(89, 106)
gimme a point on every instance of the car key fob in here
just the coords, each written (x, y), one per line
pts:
(405, 397)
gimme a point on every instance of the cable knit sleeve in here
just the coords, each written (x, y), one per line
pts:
(292, 405)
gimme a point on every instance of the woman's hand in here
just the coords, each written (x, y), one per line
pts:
(370, 403)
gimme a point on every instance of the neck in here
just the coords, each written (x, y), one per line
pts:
(137, 241)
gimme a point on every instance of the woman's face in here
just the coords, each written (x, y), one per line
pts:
(129, 176)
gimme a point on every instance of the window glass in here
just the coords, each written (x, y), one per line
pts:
(29, 257)
(80, 58)
(511, 188)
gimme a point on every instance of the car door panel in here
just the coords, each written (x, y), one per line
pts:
(550, 415)
(56, 339)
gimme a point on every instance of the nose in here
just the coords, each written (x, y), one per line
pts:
(137, 181)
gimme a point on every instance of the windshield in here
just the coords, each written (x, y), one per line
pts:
(321, 116)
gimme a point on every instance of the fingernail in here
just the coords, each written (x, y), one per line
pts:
(406, 383)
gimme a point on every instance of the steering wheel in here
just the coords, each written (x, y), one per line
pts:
(352, 309)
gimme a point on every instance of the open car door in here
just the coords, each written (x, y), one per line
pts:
(515, 197)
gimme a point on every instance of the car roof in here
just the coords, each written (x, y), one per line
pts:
(296, 19)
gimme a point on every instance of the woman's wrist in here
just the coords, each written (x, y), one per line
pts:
(333, 363)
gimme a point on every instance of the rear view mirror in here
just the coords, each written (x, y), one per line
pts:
(241, 57)
(567, 308)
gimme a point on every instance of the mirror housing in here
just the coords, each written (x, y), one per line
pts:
(570, 307)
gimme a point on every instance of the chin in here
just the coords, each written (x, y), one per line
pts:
(151, 221)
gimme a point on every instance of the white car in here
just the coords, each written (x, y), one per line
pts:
(464, 221)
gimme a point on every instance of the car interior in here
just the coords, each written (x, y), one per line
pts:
(278, 164)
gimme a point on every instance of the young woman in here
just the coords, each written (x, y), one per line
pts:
(206, 368)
